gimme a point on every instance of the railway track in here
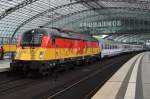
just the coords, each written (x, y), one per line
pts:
(67, 88)
(14, 85)
(51, 87)
(76, 87)
(9, 80)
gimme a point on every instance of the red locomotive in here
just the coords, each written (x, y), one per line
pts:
(45, 48)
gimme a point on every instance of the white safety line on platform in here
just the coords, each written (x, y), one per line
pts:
(131, 89)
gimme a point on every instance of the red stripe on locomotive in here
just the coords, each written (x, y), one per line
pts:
(67, 43)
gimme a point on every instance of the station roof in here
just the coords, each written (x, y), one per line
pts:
(132, 16)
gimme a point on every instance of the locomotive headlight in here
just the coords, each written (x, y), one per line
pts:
(41, 56)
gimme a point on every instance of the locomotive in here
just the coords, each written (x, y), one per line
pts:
(42, 49)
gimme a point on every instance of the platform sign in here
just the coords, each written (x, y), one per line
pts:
(101, 24)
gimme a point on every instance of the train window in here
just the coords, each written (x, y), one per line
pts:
(106, 46)
(103, 46)
(116, 47)
(110, 46)
(33, 37)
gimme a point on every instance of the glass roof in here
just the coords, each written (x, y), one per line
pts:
(17, 16)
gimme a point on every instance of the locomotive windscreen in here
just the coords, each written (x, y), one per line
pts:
(33, 38)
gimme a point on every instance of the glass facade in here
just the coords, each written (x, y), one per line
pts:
(18, 16)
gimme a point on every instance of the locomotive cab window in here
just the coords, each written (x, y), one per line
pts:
(33, 37)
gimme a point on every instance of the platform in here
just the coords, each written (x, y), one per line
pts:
(4, 65)
(131, 81)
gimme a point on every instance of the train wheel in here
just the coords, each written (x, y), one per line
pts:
(77, 62)
(46, 69)
(43, 71)
(30, 74)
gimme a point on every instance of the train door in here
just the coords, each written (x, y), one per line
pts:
(55, 48)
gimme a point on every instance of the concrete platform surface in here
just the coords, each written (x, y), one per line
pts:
(146, 76)
(131, 81)
(4, 65)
